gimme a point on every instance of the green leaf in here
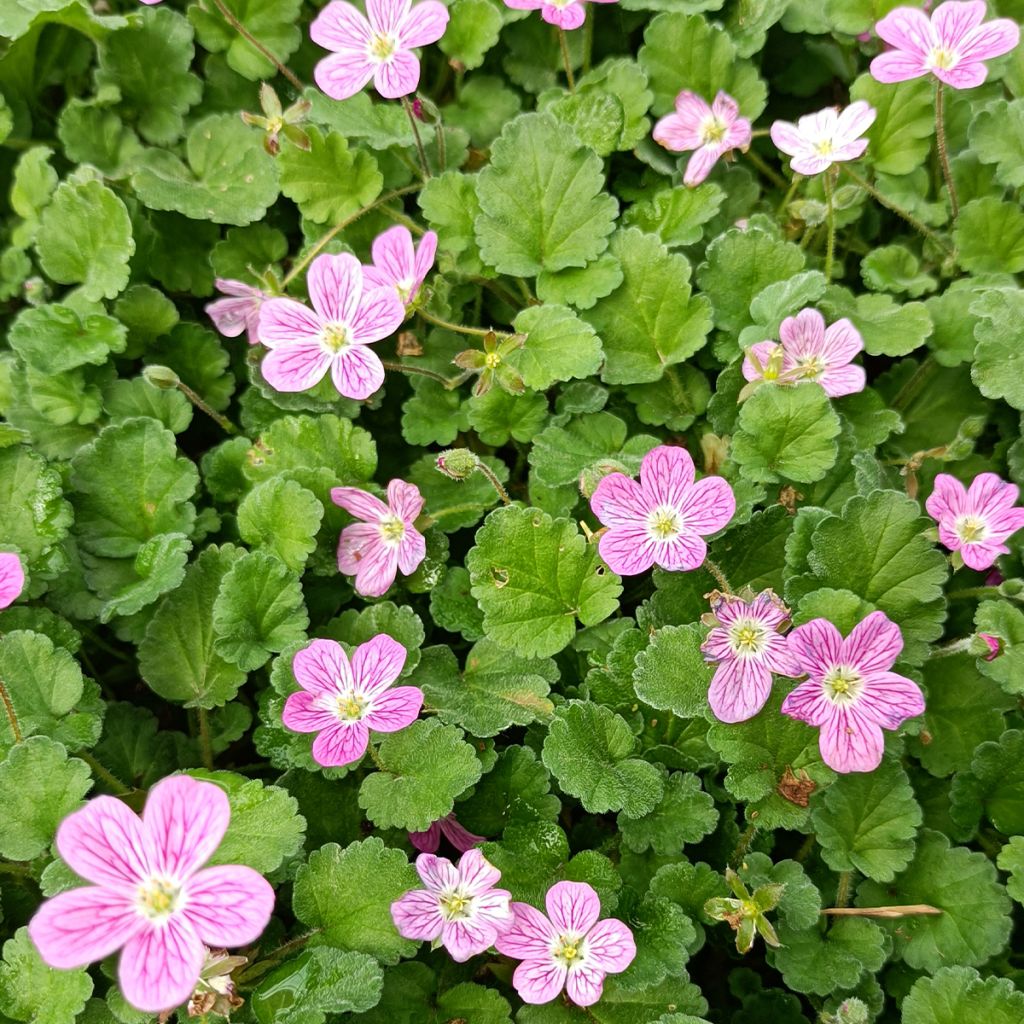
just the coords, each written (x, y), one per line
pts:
(129, 585)
(424, 768)
(33, 993)
(998, 360)
(449, 203)
(55, 338)
(558, 346)
(497, 416)
(994, 786)
(989, 236)
(867, 822)
(127, 399)
(671, 674)
(654, 1004)
(685, 814)
(799, 906)
(1005, 621)
(473, 28)
(94, 134)
(533, 576)
(228, 178)
(516, 791)
(588, 750)
(627, 82)
(273, 22)
(651, 320)
(894, 268)
(596, 117)
(821, 962)
(259, 610)
(453, 608)
(433, 415)
(541, 200)
(901, 137)
(400, 623)
(85, 238)
(411, 997)
(581, 286)
(32, 507)
(675, 401)
(997, 137)
(888, 328)
(1011, 859)
(282, 517)
(786, 433)
(348, 894)
(329, 181)
(956, 994)
(677, 215)
(663, 936)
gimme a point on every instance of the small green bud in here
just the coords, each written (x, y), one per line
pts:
(1011, 588)
(162, 377)
(457, 463)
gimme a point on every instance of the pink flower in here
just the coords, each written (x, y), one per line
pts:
(850, 692)
(975, 522)
(150, 895)
(567, 14)
(662, 519)
(568, 949)
(994, 645)
(458, 905)
(334, 335)
(430, 840)
(385, 541)
(709, 131)
(239, 312)
(343, 700)
(817, 141)
(398, 264)
(748, 648)
(377, 45)
(811, 352)
(12, 578)
(951, 45)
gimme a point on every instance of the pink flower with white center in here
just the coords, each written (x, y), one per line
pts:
(12, 578)
(975, 521)
(398, 264)
(663, 518)
(710, 131)
(810, 351)
(346, 318)
(430, 840)
(385, 541)
(342, 700)
(458, 905)
(748, 647)
(570, 948)
(817, 141)
(951, 45)
(240, 311)
(376, 45)
(151, 896)
(850, 693)
(566, 14)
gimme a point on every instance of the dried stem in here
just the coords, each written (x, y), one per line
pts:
(910, 910)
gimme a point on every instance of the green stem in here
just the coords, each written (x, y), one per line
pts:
(103, 773)
(830, 213)
(716, 571)
(743, 845)
(486, 470)
(566, 61)
(909, 391)
(222, 421)
(843, 888)
(11, 716)
(375, 757)
(476, 332)
(953, 647)
(766, 169)
(425, 167)
(981, 593)
(940, 141)
(442, 147)
(421, 371)
(205, 743)
(226, 14)
(806, 849)
(790, 192)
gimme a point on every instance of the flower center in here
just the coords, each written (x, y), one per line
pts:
(455, 905)
(158, 898)
(746, 637)
(334, 337)
(843, 684)
(812, 367)
(941, 58)
(392, 530)
(570, 949)
(492, 360)
(382, 46)
(971, 529)
(712, 130)
(824, 147)
(664, 523)
(350, 707)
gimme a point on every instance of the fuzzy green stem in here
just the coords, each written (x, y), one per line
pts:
(766, 169)
(953, 647)
(222, 421)
(563, 43)
(910, 390)
(486, 470)
(442, 147)
(103, 773)
(205, 742)
(716, 571)
(843, 888)
(830, 213)
(806, 849)
(422, 371)
(375, 757)
(476, 332)
(790, 192)
(940, 142)
(11, 716)
(409, 113)
(227, 15)
(980, 593)
(21, 870)
(743, 845)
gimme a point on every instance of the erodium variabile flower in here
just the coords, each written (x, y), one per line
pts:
(399, 264)
(12, 578)
(429, 841)
(386, 540)
(342, 700)
(748, 647)
(663, 518)
(150, 896)
(951, 45)
(569, 948)
(566, 14)
(850, 694)
(710, 132)
(334, 335)
(458, 905)
(817, 141)
(975, 521)
(239, 311)
(376, 45)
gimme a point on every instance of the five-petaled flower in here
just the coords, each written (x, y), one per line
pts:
(710, 132)
(238, 311)
(342, 700)
(12, 578)
(376, 45)
(566, 14)
(817, 141)
(151, 896)
(398, 264)
(458, 905)
(346, 318)
(429, 841)
(850, 692)
(663, 518)
(975, 521)
(569, 948)
(951, 45)
(748, 647)
(385, 541)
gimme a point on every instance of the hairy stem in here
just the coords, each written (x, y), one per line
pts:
(830, 213)
(226, 14)
(222, 421)
(563, 43)
(476, 332)
(766, 169)
(716, 571)
(104, 773)
(736, 859)
(486, 470)
(11, 716)
(843, 889)
(940, 142)
(422, 371)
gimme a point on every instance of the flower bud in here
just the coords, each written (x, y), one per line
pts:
(457, 463)
(593, 475)
(162, 377)
(851, 1011)
(985, 645)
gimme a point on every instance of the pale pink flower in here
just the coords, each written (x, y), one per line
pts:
(569, 948)
(376, 45)
(566, 14)
(951, 45)
(850, 693)
(748, 647)
(151, 896)
(976, 521)
(346, 318)
(342, 700)
(12, 578)
(663, 518)
(398, 264)
(710, 131)
(430, 840)
(817, 141)
(240, 311)
(385, 541)
(458, 905)
(811, 352)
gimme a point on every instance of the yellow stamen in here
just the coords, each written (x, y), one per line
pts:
(334, 337)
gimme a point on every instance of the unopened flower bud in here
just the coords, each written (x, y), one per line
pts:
(457, 463)
(851, 1011)
(985, 645)
(593, 475)
(716, 452)
(162, 377)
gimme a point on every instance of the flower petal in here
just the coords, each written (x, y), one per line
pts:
(573, 907)
(342, 75)
(394, 256)
(619, 501)
(377, 663)
(585, 984)
(335, 283)
(340, 26)
(666, 476)
(678, 132)
(104, 843)
(709, 505)
(380, 314)
(395, 709)
(762, 352)
(357, 372)
(360, 503)
(398, 77)
(477, 873)
(627, 550)
(681, 554)
(909, 29)
(426, 252)
(979, 556)
(285, 321)
(566, 18)
(467, 938)
(841, 343)
(297, 367)
(990, 40)
(437, 873)
(854, 121)
(229, 905)
(425, 24)
(322, 667)
(739, 689)
(803, 335)
(787, 137)
(405, 500)
(948, 497)
(80, 926)
(461, 838)
(951, 22)
(530, 935)
(342, 743)
(844, 380)
(816, 646)
(386, 16)
(539, 981)
(363, 554)
(411, 551)
(417, 915)
(305, 712)
(849, 742)
(898, 66)
(231, 316)
(700, 165)
(873, 644)
(12, 578)
(889, 699)
(160, 966)
(427, 841)
(610, 945)
(184, 821)
(988, 493)
(808, 703)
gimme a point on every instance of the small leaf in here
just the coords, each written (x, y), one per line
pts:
(671, 673)
(956, 994)
(281, 516)
(55, 338)
(998, 368)
(685, 814)
(989, 236)
(558, 346)
(33, 993)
